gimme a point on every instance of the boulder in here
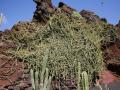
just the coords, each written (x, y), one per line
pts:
(90, 16)
(65, 8)
(44, 10)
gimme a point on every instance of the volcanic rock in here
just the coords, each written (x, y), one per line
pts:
(90, 16)
(24, 26)
(112, 55)
(118, 25)
(44, 10)
(65, 8)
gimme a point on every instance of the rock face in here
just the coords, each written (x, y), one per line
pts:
(23, 26)
(118, 25)
(65, 8)
(90, 16)
(112, 53)
(44, 10)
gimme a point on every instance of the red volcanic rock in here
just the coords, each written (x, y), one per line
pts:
(65, 8)
(90, 16)
(107, 80)
(107, 77)
(44, 10)
(112, 57)
(8, 72)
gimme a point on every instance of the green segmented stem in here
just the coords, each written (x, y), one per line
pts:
(49, 83)
(32, 79)
(79, 73)
(45, 58)
(46, 79)
(85, 82)
(37, 80)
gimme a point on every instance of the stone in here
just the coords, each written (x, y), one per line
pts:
(65, 8)
(44, 10)
(90, 16)
(118, 25)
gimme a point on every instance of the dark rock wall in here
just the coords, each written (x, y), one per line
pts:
(44, 10)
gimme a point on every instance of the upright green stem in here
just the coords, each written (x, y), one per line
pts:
(79, 73)
(85, 82)
(45, 58)
(37, 80)
(32, 79)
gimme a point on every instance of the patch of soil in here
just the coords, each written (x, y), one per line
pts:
(108, 77)
(108, 80)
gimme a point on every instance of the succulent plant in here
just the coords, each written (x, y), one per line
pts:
(85, 82)
(41, 80)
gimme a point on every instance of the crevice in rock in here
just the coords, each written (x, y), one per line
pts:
(114, 68)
